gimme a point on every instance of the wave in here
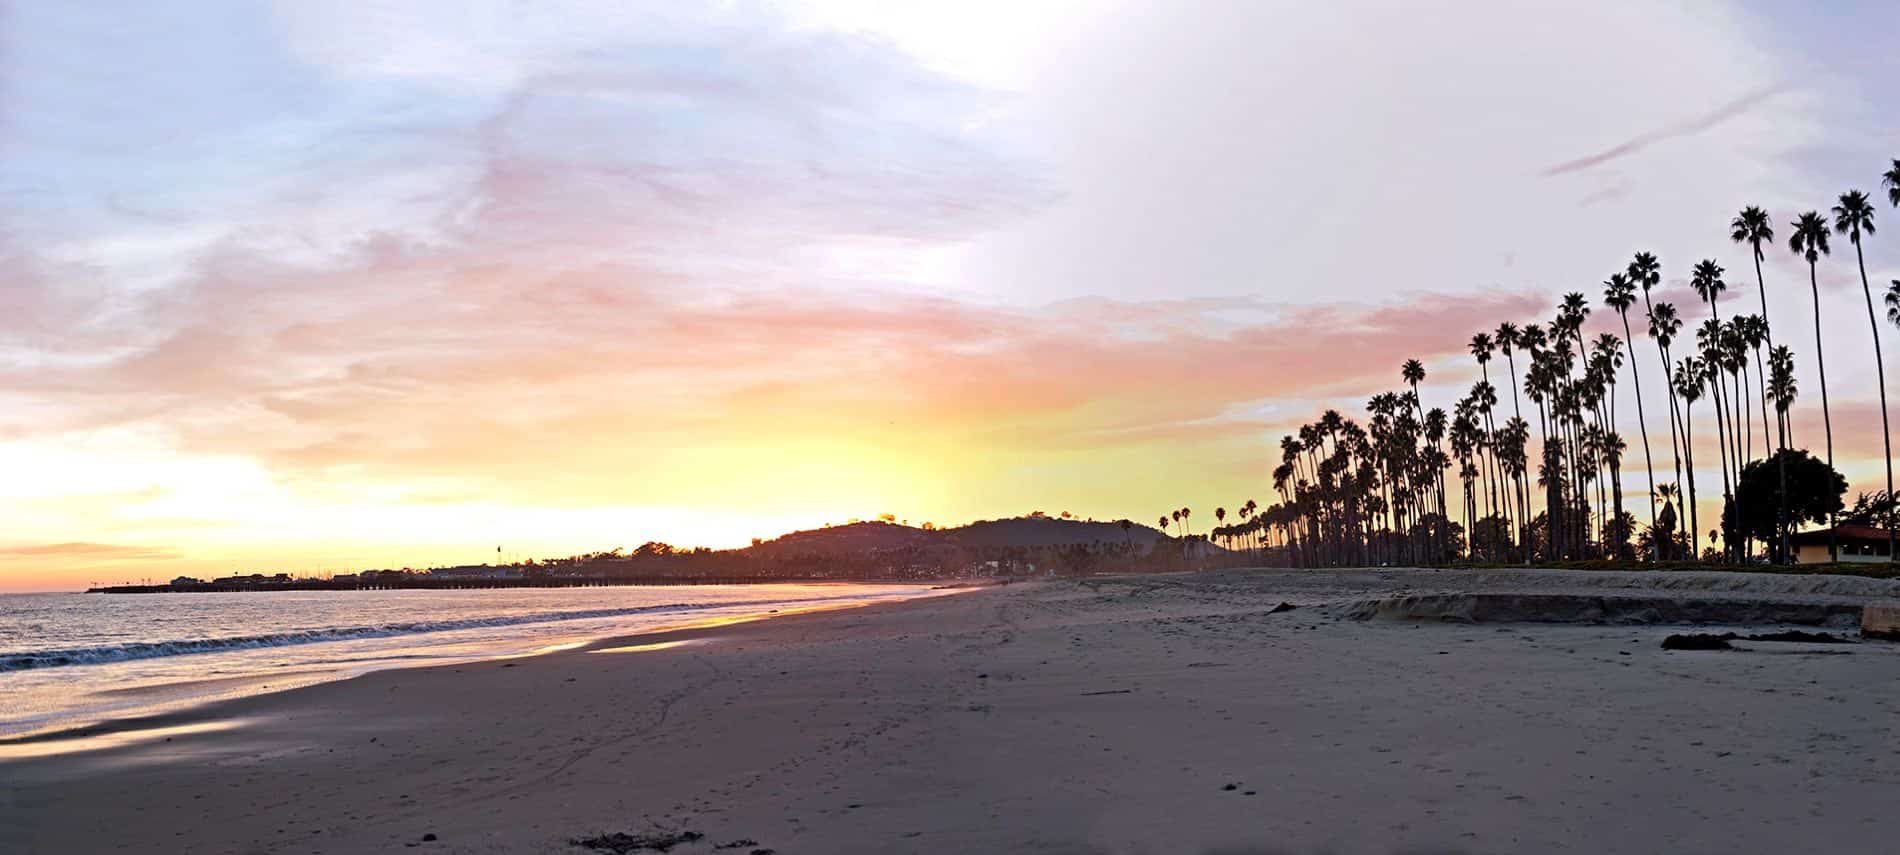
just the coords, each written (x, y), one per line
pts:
(29, 660)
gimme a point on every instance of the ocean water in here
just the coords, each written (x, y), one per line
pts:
(68, 660)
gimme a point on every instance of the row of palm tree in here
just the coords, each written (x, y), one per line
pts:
(1353, 494)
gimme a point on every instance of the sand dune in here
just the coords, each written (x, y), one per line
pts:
(1162, 714)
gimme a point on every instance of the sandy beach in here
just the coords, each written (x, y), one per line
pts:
(1164, 714)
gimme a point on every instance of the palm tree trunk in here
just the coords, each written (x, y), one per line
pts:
(1827, 420)
(1675, 416)
(1761, 288)
(1642, 423)
(1688, 449)
(1742, 400)
(1721, 445)
(1880, 367)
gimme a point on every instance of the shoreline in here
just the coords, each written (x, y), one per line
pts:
(107, 710)
(1108, 715)
(198, 715)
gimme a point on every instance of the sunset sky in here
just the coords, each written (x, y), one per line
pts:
(319, 286)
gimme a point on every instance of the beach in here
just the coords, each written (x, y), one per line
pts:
(1396, 711)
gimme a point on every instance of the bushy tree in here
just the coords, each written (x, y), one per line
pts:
(1814, 493)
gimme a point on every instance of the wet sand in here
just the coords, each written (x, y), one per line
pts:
(1140, 715)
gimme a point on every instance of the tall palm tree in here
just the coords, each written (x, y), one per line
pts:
(1481, 347)
(1508, 338)
(1663, 326)
(1782, 389)
(1706, 279)
(1619, 294)
(1645, 272)
(1810, 242)
(1413, 373)
(1753, 227)
(1891, 178)
(1688, 386)
(1709, 339)
(1854, 216)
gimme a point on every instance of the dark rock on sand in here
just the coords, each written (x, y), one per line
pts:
(622, 843)
(1804, 637)
(1699, 641)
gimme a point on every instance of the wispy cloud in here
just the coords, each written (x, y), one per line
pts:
(1688, 127)
(86, 551)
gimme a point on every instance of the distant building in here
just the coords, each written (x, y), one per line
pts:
(343, 579)
(1857, 544)
(234, 581)
(186, 582)
(475, 571)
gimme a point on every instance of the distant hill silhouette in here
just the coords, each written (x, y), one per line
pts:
(1012, 532)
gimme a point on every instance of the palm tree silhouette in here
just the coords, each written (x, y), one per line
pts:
(1810, 242)
(1753, 227)
(1689, 389)
(1619, 294)
(1891, 178)
(1782, 389)
(1854, 216)
(1645, 272)
(1709, 339)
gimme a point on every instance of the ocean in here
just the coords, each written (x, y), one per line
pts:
(68, 660)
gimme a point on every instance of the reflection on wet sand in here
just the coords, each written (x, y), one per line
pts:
(47, 746)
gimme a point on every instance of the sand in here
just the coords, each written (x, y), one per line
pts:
(1167, 714)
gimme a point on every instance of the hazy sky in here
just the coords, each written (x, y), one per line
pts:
(318, 286)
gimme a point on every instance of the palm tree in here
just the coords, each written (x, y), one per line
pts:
(1709, 339)
(1645, 272)
(1781, 387)
(1508, 338)
(1413, 373)
(1620, 295)
(1891, 178)
(1754, 332)
(1706, 279)
(1185, 531)
(1810, 242)
(1689, 387)
(1663, 326)
(1665, 546)
(1753, 227)
(1854, 216)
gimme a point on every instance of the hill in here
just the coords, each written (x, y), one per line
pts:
(877, 536)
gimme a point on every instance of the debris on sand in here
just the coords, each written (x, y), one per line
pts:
(1803, 637)
(738, 844)
(1699, 641)
(1706, 641)
(1284, 606)
(622, 843)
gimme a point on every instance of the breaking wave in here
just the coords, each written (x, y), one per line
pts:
(22, 661)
